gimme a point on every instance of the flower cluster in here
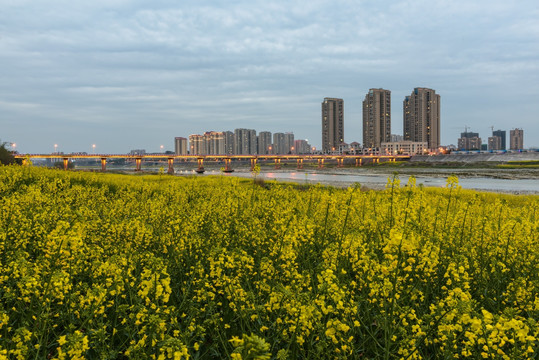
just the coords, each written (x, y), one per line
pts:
(147, 267)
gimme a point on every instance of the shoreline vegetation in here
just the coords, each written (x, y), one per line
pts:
(101, 265)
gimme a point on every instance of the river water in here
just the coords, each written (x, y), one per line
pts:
(520, 182)
(379, 181)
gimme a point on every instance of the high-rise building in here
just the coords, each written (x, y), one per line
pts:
(264, 143)
(516, 139)
(180, 146)
(245, 142)
(494, 143)
(278, 143)
(301, 147)
(288, 143)
(214, 143)
(469, 141)
(229, 142)
(196, 144)
(332, 124)
(376, 118)
(501, 135)
(421, 115)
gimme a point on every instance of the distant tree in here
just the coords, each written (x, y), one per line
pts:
(6, 157)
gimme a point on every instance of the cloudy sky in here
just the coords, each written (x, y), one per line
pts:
(134, 74)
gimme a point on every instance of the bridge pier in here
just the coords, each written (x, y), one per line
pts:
(277, 163)
(200, 168)
(138, 164)
(300, 163)
(103, 164)
(228, 168)
(253, 163)
(170, 170)
(320, 163)
(66, 163)
(359, 161)
(340, 162)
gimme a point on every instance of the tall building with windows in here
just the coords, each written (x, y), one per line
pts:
(278, 143)
(516, 139)
(469, 141)
(421, 115)
(180, 145)
(332, 124)
(196, 144)
(376, 118)
(288, 143)
(264, 143)
(501, 135)
(229, 142)
(214, 143)
(245, 142)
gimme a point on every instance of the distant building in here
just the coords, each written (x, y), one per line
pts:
(196, 144)
(278, 143)
(229, 142)
(137, 152)
(264, 143)
(396, 138)
(180, 146)
(245, 142)
(469, 141)
(376, 117)
(516, 139)
(288, 143)
(214, 143)
(355, 147)
(501, 135)
(404, 147)
(494, 143)
(301, 147)
(421, 117)
(332, 124)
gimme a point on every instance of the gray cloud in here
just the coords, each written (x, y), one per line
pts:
(132, 74)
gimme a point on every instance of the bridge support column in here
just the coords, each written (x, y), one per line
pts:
(200, 168)
(228, 168)
(103, 164)
(300, 163)
(66, 163)
(320, 163)
(170, 166)
(340, 162)
(138, 164)
(253, 163)
(359, 161)
(277, 164)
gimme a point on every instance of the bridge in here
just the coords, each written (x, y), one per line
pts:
(227, 159)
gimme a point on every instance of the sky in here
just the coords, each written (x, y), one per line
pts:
(135, 74)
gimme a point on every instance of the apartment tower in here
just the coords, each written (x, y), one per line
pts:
(376, 118)
(421, 113)
(332, 124)
(516, 139)
(180, 145)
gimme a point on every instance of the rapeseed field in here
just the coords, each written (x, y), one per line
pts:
(103, 266)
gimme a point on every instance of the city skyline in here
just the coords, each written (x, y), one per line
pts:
(124, 75)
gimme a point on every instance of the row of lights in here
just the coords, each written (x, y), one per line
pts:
(13, 145)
